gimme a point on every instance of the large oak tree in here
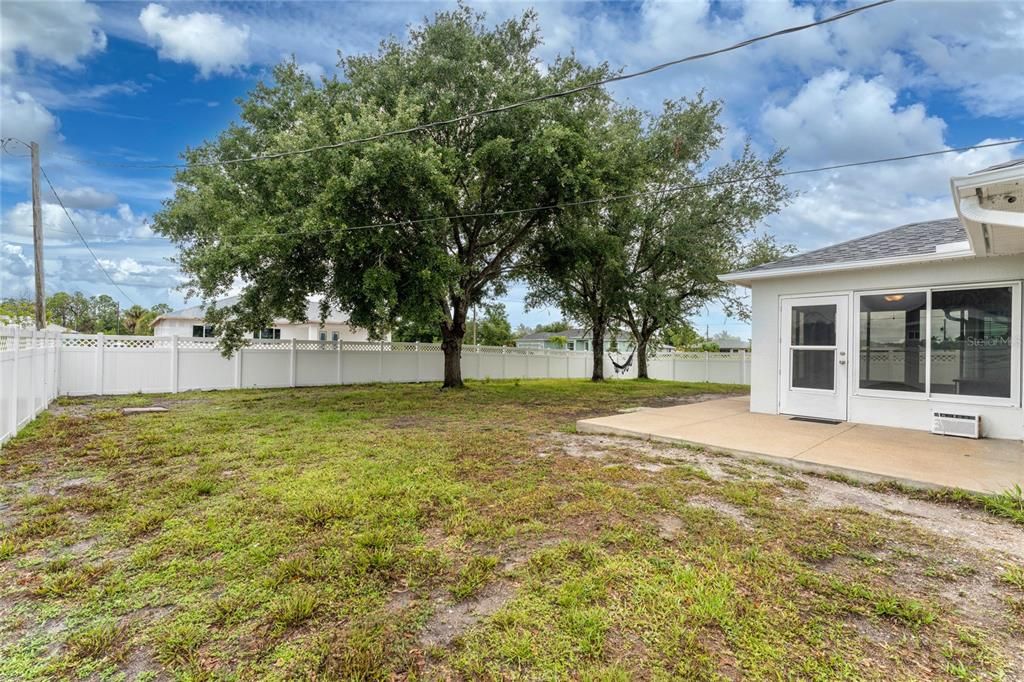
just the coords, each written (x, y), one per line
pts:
(283, 229)
(650, 260)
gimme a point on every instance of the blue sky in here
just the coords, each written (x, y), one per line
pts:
(100, 83)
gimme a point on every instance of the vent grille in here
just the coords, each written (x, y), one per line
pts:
(961, 425)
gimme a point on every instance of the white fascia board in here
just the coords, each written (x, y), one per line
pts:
(972, 210)
(966, 184)
(744, 278)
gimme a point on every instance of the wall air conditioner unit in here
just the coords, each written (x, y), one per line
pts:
(962, 425)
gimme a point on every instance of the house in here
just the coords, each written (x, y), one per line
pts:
(191, 322)
(899, 326)
(731, 345)
(29, 323)
(576, 339)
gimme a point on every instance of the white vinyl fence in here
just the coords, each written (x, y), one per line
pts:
(29, 376)
(87, 364)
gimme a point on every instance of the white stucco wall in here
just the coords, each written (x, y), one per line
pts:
(998, 421)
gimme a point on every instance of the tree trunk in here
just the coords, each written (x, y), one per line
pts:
(641, 359)
(597, 343)
(451, 343)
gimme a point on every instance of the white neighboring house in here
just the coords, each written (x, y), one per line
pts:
(190, 322)
(576, 339)
(897, 326)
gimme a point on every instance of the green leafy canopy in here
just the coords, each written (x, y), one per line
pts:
(279, 227)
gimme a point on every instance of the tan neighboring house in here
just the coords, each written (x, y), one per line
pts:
(191, 322)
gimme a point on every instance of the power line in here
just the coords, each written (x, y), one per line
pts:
(619, 197)
(508, 107)
(87, 247)
(668, 190)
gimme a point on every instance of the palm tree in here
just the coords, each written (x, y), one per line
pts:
(132, 317)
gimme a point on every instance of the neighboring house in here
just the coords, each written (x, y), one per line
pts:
(731, 345)
(577, 339)
(897, 326)
(30, 323)
(190, 322)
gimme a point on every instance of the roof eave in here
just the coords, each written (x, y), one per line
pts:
(977, 218)
(746, 278)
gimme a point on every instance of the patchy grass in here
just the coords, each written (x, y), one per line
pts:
(1008, 504)
(376, 532)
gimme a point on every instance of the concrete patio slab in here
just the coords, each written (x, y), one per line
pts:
(868, 452)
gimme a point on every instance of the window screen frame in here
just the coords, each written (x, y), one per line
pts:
(1014, 400)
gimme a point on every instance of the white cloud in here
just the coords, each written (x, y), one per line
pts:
(313, 70)
(201, 38)
(840, 117)
(95, 225)
(16, 270)
(25, 118)
(83, 197)
(58, 32)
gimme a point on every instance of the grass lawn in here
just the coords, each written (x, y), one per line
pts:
(397, 532)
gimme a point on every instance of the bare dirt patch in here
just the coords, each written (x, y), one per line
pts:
(668, 401)
(642, 455)
(721, 507)
(975, 528)
(668, 526)
(450, 620)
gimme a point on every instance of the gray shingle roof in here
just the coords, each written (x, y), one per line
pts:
(197, 312)
(999, 166)
(914, 239)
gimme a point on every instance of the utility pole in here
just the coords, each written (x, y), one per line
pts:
(37, 239)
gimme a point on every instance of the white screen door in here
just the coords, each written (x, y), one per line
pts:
(812, 381)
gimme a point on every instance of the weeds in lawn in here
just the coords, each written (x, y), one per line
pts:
(302, 534)
(1008, 504)
(41, 527)
(94, 641)
(8, 547)
(1014, 575)
(177, 642)
(318, 513)
(64, 583)
(294, 607)
(910, 611)
(473, 576)
(202, 487)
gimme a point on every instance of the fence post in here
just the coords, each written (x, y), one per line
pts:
(416, 350)
(57, 362)
(14, 382)
(743, 366)
(99, 364)
(380, 361)
(291, 363)
(707, 367)
(338, 361)
(174, 363)
(673, 358)
(238, 366)
(33, 379)
(44, 379)
(504, 364)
